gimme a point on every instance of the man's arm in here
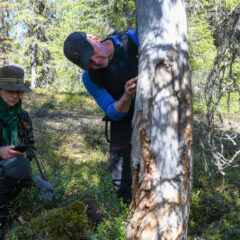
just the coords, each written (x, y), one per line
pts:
(102, 97)
(116, 110)
(123, 104)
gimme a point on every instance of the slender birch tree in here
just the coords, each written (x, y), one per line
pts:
(5, 26)
(162, 135)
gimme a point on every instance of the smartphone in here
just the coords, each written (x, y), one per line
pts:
(21, 148)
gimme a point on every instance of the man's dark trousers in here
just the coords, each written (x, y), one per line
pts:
(120, 158)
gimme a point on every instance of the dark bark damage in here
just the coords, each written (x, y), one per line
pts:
(144, 194)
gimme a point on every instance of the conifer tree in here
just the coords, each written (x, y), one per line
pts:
(35, 16)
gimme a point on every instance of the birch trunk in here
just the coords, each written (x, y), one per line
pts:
(33, 67)
(162, 135)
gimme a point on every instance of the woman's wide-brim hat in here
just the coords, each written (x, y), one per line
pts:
(12, 78)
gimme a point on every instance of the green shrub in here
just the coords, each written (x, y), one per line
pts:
(69, 222)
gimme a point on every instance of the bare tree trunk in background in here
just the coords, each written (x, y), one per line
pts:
(1, 32)
(5, 45)
(162, 135)
(33, 70)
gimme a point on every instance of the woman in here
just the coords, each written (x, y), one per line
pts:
(15, 128)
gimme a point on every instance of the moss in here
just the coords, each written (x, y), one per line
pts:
(69, 222)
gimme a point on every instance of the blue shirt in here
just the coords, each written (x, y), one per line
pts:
(101, 95)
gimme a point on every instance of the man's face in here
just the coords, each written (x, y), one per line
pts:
(99, 58)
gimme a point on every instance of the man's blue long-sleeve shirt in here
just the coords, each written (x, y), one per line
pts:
(101, 95)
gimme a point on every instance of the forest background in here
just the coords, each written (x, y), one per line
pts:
(32, 33)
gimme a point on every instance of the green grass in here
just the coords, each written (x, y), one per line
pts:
(72, 147)
(229, 105)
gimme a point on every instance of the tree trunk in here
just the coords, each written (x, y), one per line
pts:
(162, 135)
(33, 67)
(5, 45)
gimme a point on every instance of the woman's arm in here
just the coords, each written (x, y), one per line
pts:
(28, 135)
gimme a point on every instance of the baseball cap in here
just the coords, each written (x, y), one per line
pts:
(78, 50)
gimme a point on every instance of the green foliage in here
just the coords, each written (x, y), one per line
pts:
(113, 228)
(215, 205)
(32, 21)
(215, 208)
(62, 223)
(57, 223)
(6, 42)
(26, 201)
(121, 14)
(206, 41)
(231, 4)
(73, 149)
(226, 228)
(229, 105)
(40, 28)
(83, 100)
(201, 46)
(70, 135)
(201, 51)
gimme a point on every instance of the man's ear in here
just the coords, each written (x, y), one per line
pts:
(94, 38)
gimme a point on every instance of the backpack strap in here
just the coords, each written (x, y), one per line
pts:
(106, 119)
(128, 43)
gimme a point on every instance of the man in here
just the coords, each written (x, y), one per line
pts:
(111, 68)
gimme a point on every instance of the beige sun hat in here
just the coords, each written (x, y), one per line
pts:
(12, 78)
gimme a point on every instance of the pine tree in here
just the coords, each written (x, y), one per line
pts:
(35, 17)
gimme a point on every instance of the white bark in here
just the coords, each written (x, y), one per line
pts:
(33, 69)
(161, 153)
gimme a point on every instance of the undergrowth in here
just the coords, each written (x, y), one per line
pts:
(71, 146)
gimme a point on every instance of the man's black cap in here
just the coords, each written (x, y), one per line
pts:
(78, 50)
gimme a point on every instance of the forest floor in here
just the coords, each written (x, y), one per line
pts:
(71, 145)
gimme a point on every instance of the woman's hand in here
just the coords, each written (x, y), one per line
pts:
(8, 152)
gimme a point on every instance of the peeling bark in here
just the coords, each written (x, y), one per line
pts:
(162, 135)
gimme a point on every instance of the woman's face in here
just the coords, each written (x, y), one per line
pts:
(10, 97)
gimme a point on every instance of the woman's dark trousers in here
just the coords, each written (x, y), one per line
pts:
(10, 187)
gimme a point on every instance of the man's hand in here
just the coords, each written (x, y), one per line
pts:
(130, 88)
(8, 152)
(123, 104)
